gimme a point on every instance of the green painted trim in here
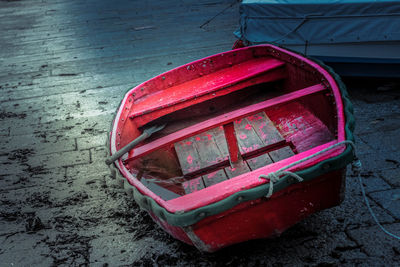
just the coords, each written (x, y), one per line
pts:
(182, 219)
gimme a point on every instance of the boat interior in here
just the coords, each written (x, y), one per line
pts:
(232, 118)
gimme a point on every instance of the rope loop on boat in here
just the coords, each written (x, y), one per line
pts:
(274, 176)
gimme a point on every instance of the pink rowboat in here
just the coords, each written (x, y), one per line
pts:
(235, 123)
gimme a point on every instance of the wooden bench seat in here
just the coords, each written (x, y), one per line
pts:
(218, 83)
(220, 120)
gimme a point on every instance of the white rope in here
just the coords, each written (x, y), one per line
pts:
(274, 177)
(356, 167)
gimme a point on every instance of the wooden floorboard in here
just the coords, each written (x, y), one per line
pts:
(200, 152)
(281, 153)
(237, 169)
(259, 161)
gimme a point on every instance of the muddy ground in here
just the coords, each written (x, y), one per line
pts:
(65, 67)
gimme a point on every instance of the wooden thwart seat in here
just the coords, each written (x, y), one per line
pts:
(218, 83)
(221, 120)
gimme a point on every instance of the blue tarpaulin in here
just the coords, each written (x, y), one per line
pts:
(296, 22)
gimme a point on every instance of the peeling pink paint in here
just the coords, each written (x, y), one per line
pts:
(192, 169)
(254, 118)
(211, 175)
(189, 159)
(262, 125)
(251, 148)
(214, 161)
(194, 183)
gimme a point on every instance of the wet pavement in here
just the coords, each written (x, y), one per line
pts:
(65, 67)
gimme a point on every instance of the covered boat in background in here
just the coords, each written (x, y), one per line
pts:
(354, 37)
(235, 124)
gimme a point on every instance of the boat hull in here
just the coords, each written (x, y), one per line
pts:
(309, 116)
(263, 217)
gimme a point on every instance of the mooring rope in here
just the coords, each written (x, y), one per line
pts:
(356, 168)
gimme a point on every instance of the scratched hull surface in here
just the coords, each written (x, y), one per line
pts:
(230, 118)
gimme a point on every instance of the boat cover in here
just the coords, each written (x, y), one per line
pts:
(296, 22)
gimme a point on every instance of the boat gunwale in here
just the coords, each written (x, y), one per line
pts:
(167, 210)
